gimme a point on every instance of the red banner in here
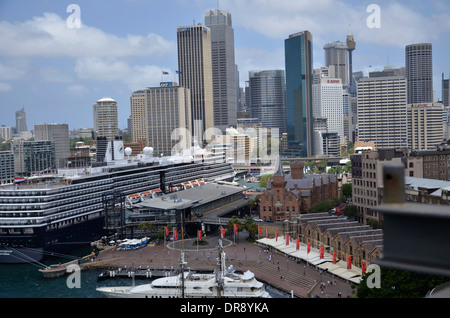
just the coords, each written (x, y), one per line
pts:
(309, 247)
(334, 257)
(199, 235)
(223, 232)
(349, 262)
(298, 244)
(322, 252)
(235, 228)
(167, 231)
(175, 235)
(363, 265)
(287, 239)
(267, 232)
(276, 236)
(259, 230)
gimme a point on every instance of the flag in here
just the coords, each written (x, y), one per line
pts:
(309, 247)
(287, 239)
(167, 231)
(267, 232)
(223, 232)
(321, 252)
(165, 73)
(235, 228)
(298, 244)
(259, 230)
(199, 235)
(334, 257)
(349, 262)
(175, 235)
(276, 236)
(363, 265)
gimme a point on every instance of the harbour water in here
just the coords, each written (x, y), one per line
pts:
(25, 281)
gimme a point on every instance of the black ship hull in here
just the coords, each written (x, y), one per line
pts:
(45, 244)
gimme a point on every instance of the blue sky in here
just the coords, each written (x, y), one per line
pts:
(57, 72)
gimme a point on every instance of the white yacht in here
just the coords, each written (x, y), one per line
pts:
(223, 283)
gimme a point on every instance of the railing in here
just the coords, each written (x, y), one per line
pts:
(416, 236)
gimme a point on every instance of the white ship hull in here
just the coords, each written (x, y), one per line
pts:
(196, 286)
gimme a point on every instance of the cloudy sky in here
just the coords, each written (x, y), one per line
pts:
(56, 69)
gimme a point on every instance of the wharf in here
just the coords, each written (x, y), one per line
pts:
(276, 270)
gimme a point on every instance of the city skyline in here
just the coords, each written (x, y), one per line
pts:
(47, 62)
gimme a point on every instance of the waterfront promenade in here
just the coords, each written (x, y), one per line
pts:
(268, 266)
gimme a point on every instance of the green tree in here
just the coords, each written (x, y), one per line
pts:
(323, 206)
(374, 224)
(230, 225)
(264, 180)
(350, 211)
(252, 228)
(347, 190)
(251, 204)
(399, 284)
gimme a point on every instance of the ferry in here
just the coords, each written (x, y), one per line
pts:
(55, 214)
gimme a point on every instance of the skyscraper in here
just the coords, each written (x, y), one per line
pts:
(267, 98)
(224, 69)
(195, 67)
(382, 111)
(329, 104)
(425, 125)
(445, 91)
(21, 121)
(336, 58)
(419, 72)
(299, 78)
(156, 113)
(59, 134)
(105, 118)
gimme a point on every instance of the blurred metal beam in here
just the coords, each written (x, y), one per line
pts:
(416, 236)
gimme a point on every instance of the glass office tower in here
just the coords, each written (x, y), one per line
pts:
(299, 79)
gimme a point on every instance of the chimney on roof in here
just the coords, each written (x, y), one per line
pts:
(297, 170)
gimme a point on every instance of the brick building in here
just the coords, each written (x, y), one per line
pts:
(338, 234)
(292, 194)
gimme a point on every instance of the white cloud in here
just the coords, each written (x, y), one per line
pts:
(13, 69)
(77, 90)
(401, 24)
(49, 36)
(52, 74)
(113, 69)
(251, 59)
(5, 87)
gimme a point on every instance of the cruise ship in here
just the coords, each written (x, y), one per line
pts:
(49, 215)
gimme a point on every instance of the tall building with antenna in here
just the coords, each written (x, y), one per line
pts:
(351, 46)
